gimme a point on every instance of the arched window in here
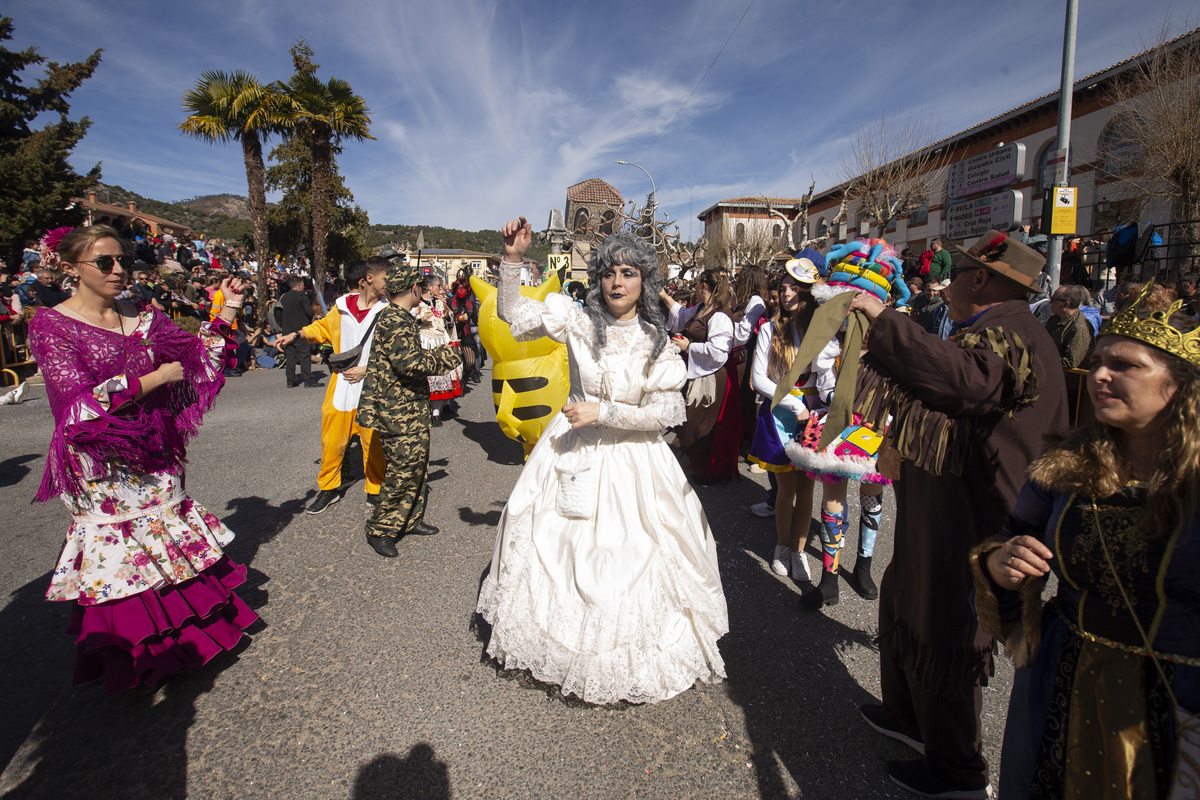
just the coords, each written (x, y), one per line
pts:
(581, 220)
(1120, 152)
(740, 232)
(606, 222)
(776, 231)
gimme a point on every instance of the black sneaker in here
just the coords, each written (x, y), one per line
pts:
(373, 500)
(881, 720)
(421, 529)
(384, 545)
(916, 778)
(324, 499)
(313, 385)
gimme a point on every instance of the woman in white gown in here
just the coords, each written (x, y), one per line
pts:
(604, 579)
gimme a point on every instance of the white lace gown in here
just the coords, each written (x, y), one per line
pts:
(610, 591)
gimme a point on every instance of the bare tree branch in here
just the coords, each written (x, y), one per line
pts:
(1152, 146)
(891, 169)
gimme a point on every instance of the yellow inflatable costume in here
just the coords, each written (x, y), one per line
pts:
(530, 380)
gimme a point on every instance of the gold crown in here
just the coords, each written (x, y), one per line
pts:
(1155, 330)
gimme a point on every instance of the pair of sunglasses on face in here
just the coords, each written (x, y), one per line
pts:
(106, 263)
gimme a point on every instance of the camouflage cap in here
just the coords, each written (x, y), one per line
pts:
(401, 276)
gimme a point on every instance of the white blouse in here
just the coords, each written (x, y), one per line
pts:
(704, 358)
(822, 371)
(755, 308)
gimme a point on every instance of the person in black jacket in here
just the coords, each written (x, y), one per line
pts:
(297, 312)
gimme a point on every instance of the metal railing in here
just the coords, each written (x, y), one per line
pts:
(1170, 259)
(14, 339)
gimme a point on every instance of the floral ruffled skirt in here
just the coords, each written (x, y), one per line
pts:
(152, 585)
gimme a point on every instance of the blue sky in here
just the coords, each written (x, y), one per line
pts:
(485, 110)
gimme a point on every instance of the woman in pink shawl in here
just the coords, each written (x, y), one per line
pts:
(142, 562)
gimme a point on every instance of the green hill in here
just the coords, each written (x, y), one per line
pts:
(404, 237)
(223, 220)
(226, 217)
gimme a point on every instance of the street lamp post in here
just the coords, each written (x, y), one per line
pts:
(651, 203)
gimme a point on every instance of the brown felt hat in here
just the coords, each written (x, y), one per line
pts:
(1008, 258)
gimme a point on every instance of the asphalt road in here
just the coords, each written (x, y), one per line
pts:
(367, 677)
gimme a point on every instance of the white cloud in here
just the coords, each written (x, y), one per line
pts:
(488, 108)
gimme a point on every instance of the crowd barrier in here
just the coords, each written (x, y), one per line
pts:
(15, 343)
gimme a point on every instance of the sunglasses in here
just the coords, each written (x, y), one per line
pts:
(106, 263)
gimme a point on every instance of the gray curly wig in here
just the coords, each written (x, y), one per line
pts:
(626, 248)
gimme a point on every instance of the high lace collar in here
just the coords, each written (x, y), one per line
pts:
(622, 323)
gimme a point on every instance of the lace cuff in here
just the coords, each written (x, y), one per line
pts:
(659, 411)
(523, 314)
(108, 396)
(220, 350)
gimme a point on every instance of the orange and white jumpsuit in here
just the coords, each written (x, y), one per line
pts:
(342, 331)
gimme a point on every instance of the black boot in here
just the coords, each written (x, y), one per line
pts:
(826, 594)
(862, 577)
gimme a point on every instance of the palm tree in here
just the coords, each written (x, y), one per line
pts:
(236, 105)
(323, 113)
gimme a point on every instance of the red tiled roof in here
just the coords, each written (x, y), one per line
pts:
(124, 211)
(594, 190)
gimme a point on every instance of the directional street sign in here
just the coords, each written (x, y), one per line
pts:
(987, 171)
(994, 212)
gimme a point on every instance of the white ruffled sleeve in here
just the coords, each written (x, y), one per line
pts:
(530, 319)
(825, 367)
(759, 379)
(662, 402)
(705, 358)
(679, 316)
(755, 308)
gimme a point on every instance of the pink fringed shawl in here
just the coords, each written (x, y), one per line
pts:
(148, 435)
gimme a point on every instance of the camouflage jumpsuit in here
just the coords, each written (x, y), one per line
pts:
(395, 404)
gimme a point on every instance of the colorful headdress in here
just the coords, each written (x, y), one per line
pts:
(865, 265)
(1155, 330)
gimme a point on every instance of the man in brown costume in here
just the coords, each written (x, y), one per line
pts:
(967, 416)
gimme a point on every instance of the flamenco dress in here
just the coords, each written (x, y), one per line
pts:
(604, 578)
(143, 563)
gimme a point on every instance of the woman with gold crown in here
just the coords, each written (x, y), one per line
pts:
(1108, 683)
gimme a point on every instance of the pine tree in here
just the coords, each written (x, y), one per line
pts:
(291, 217)
(36, 181)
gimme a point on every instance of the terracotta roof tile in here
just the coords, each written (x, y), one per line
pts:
(594, 190)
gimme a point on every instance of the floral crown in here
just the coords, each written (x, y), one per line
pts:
(1155, 330)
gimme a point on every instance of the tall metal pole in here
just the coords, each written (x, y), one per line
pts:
(651, 203)
(1062, 171)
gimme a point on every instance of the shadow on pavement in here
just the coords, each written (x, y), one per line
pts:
(498, 447)
(86, 738)
(93, 745)
(13, 470)
(473, 517)
(788, 667)
(389, 777)
(37, 660)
